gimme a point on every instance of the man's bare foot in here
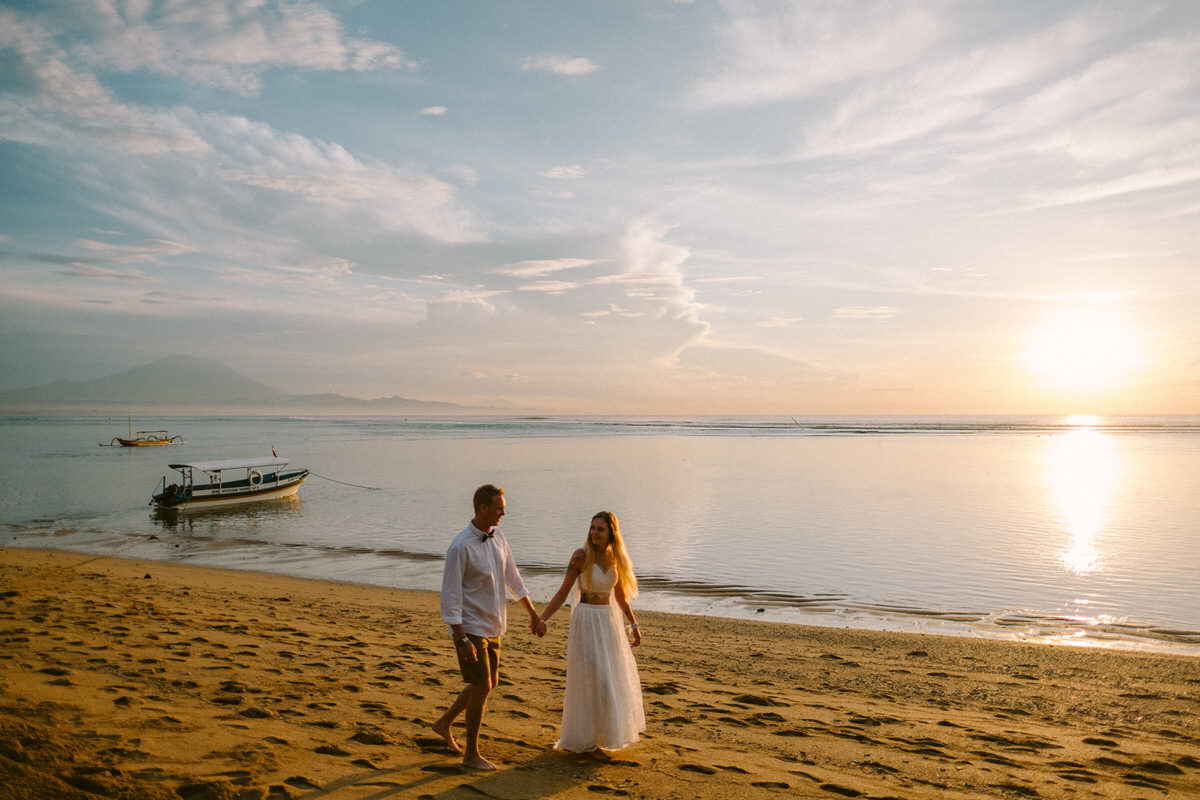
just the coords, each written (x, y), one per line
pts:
(447, 735)
(480, 764)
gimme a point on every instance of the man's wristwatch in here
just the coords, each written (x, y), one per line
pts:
(461, 642)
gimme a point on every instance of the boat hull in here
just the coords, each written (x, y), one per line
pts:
(202, 498)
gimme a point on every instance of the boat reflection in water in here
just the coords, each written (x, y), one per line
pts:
(240, 521)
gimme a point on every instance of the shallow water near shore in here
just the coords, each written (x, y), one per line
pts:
(1079, 531)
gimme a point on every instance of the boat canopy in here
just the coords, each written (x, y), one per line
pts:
(232, 463)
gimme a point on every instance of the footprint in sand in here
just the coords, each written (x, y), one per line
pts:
(331, 750)
(300, 782)
(662, 688)
(371, 737)
(700, 768)
(995, 758)
(758, 700)
(1098, 742)
(257, 713)
(792, 732)
(1077, 774)
(1014, 789)
(443, 769)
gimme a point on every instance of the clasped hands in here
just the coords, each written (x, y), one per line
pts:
(537, 626)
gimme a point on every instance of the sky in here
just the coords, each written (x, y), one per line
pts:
(629, 206)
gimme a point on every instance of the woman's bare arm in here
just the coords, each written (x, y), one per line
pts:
(627, 610)
(560, 596)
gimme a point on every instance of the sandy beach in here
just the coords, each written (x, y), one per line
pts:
(135, 679)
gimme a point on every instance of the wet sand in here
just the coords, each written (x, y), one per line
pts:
(134, 679)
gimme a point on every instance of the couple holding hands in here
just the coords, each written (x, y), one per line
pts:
(602, 707)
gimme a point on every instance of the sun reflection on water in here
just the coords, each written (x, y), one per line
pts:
(1082, 471)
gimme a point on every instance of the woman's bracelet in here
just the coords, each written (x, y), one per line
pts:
(633, 626)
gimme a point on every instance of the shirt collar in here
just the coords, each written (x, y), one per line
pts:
(483, 535)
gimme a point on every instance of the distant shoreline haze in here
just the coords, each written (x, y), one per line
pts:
(180, 384)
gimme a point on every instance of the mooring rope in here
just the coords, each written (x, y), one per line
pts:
(343, 483)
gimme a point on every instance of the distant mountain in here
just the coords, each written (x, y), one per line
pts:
(380, 405)
(190, 384)
(174, 379)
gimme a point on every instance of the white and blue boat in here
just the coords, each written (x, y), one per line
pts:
(217, 484)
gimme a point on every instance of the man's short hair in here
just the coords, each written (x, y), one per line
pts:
(485, 495)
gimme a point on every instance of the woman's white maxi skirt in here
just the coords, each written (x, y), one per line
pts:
(603, 702)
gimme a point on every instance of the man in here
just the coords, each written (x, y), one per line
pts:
(479, 567)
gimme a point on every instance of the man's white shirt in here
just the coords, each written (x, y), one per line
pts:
(479, 568)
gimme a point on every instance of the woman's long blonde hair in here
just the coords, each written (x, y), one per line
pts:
(621, 558)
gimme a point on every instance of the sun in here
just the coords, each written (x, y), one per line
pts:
(1083, 349)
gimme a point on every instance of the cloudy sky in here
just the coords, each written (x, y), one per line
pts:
(641, 206)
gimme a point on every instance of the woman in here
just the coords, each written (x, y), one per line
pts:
(602, 709)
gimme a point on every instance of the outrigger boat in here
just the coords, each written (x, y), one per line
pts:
(216, 484)
(144, 438)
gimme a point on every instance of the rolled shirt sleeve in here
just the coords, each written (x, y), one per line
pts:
(512, 577)
(452, 586)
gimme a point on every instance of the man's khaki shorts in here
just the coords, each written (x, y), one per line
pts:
(487, 659)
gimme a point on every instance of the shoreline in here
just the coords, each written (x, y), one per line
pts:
(133, 678)
(748, 604)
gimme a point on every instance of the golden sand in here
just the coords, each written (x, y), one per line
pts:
(134, 679)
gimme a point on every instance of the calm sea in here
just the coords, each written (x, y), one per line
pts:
(1076, 530)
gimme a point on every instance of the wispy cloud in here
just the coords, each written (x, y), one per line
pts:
(324, 271)
(559, 64)
(769, 52)
(780, 322)
(729, 279)
(541, 268)
(565, 172)
(613, 310)
(97, 273)
(51, 102)
(877, 313)
(889, 73)
(551, 287)
(146, 250)
(225, 44)
(327, 174)
(66, 109)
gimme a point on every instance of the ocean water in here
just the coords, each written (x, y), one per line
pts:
(1079, 531)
